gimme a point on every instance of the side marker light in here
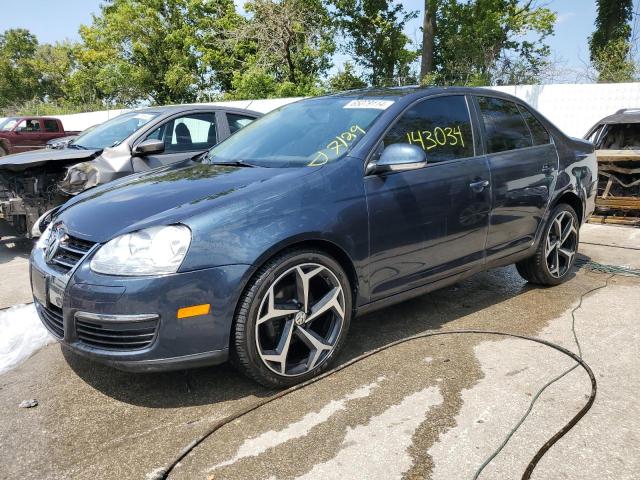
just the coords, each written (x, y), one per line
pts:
(194, 310)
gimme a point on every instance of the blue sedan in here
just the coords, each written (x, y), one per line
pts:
(264, 248)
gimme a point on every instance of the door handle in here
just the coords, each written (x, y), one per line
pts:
(547, 169)
(479, 186)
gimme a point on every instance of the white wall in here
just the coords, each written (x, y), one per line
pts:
(80, 121)
(574, 108)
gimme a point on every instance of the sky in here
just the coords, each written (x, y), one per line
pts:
(56, 21)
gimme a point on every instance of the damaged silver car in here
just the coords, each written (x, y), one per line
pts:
(32, 183)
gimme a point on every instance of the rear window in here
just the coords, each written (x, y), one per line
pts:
(538, 132)
(504, 126)
(236, 121)
(51, 126)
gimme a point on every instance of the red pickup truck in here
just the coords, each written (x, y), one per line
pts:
(20, 134)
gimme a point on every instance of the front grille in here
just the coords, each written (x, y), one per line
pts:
(70, 251)
(52, 318)
(116, 335)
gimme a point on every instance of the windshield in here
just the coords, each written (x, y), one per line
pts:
(7, 124)
(113, 132)
(306, 133)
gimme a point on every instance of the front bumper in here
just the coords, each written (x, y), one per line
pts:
(131, 322)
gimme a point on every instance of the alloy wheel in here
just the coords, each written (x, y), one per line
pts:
(300, 319)
(561, 244)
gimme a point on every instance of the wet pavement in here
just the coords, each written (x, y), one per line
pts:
(430, 408)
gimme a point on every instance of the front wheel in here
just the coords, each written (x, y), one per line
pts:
(292, 319)
(557, 250)
(2, 152)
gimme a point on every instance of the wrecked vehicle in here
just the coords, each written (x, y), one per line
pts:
(617, 141)
(33, 183)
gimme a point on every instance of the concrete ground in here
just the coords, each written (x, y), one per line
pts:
(431, 408)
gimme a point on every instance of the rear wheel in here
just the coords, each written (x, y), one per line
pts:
(3, 152)
(557, 250)
(292, 319)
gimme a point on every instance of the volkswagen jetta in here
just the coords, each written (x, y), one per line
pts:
(264, 248)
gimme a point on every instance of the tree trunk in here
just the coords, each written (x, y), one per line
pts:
(428, 36)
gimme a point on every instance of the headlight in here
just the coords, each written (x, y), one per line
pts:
(152, 251)
(43, 240)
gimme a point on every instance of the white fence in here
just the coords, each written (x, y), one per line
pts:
(574, 108)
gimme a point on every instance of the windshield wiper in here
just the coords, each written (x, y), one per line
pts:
(234, 163)
(76, 146)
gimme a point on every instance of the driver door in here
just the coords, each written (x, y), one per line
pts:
(432, 222)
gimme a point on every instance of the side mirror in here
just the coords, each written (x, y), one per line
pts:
(149, 147)
(398, 157)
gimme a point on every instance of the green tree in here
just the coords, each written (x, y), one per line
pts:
(19, 78)
(164, 51)
(346, 79)
(374, 31)
(491, 41)
(287, 46)
(609, 45)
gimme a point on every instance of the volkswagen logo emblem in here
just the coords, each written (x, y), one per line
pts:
(300, 318)
(57, 236)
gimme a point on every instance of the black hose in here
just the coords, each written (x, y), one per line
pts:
(163, 474)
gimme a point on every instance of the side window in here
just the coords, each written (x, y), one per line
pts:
(196, 131)
(51, 126)
(29, 126)
(441, 126)
(504, 126)
(236, 122)
(538, 132)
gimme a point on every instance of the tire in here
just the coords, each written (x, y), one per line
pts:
(3, 152)
(555, 256)
(259, 346)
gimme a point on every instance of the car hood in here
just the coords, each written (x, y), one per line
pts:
(168, 195)
(21, 161)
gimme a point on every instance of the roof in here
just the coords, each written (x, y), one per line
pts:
(167, 109)
(624, 115)
(418, 91)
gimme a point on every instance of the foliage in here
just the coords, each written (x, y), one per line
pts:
(609, 45)
(612, 23)
(484, 42)
(290, 43)
(18, 73)
(346, 79)
(374, 31)
(257, 82)
(162, 51)
(613, 62)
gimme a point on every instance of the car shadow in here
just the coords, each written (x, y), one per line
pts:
(9, 251)
(11, 245)
(222, 383)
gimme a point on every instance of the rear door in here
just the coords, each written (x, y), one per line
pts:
(524, 164)
(429, 223)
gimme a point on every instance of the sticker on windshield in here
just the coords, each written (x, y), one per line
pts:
(370, 104)
(143, 116)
